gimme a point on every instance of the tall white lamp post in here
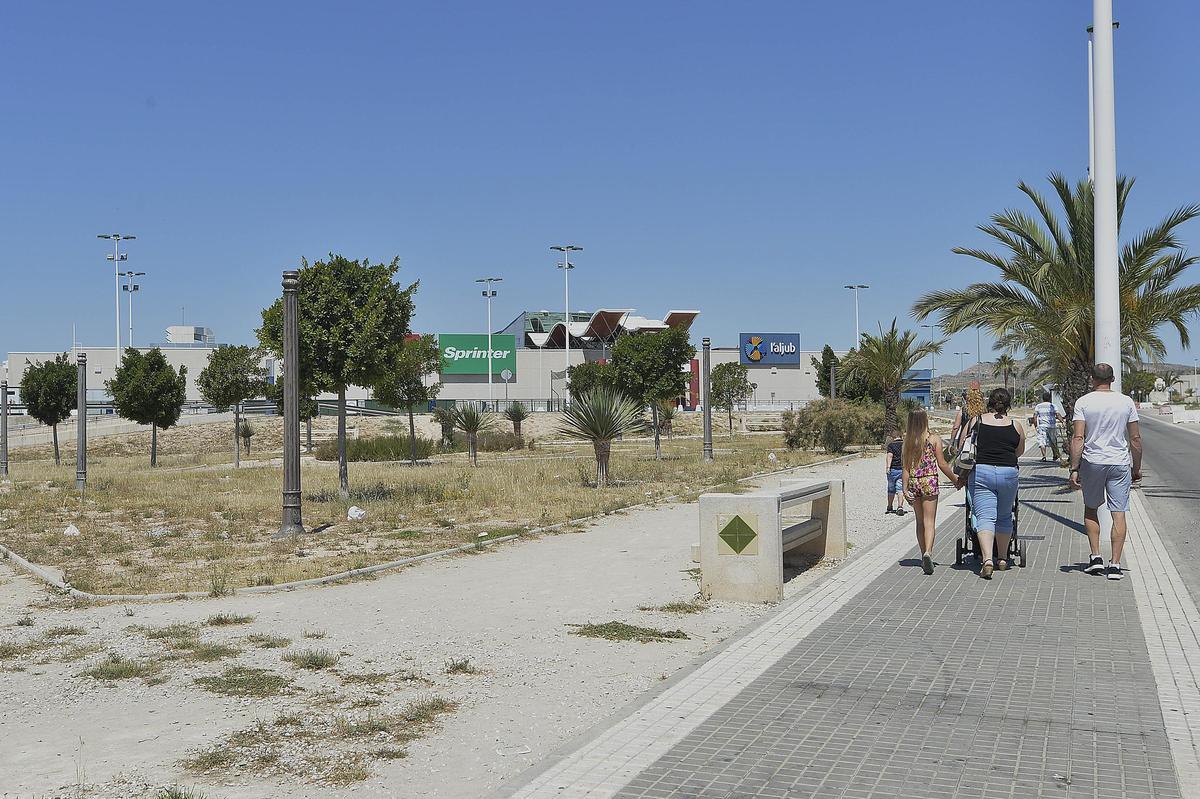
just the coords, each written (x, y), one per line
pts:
(488, 294)
(1107, 280)
(117, 257)
(567, 266)
(130, 287)
(856, 287)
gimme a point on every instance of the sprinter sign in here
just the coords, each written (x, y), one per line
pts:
(467, 353)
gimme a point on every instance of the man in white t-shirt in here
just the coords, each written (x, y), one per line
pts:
(1106, 456)
(1047, 425)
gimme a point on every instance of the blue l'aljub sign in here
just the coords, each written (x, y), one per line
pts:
(769, 349)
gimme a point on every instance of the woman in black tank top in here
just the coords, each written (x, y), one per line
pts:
(999, 441)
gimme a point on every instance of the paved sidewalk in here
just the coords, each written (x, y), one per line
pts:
(882, 682)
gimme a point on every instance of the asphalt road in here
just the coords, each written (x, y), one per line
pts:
(1171, 487)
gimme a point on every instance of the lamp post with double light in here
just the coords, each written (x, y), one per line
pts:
(117, 257)
(130, 287)
(856, 287)
(488, 294)
(567, 266)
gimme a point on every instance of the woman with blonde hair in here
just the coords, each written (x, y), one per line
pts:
(922, 458)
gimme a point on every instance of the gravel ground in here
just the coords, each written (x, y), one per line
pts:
(508, 611)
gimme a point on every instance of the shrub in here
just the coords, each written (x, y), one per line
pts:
(381, 448)
(833, 425)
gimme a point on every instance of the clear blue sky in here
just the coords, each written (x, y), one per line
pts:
(743, 159)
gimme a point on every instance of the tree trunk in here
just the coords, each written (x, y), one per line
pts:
(603, 450)
(412, 436)
(517, 427)
(343, 473)
(54, 429)
(153, 444)
(891, 399)
(654, 422)
(731, 420)
(237, 436)
(471, 441)
(308, 433)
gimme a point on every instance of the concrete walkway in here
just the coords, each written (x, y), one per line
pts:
(882, 682)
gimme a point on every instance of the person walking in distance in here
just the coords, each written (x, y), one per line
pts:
(895, 473)
(1106, 457)
(1047, 425)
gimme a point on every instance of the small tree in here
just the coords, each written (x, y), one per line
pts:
(1004, 366)
(147, 390)
(730, 384)
(473, 420)
(309, 408)
(649, 368)
(590, 375)
(233, 375)
(601, 416)
(516, 414)
(445, 417)
(246, 431)
(49, 391)
(352, 317)
(823, 368)
(405, 385)
(884, 361)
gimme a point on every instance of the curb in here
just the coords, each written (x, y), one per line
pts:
(47, 577)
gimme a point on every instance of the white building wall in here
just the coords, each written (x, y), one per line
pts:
(778, 386)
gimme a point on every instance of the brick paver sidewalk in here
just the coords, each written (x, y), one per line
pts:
(882, 682)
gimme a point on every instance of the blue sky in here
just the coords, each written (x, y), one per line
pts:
(743, 159)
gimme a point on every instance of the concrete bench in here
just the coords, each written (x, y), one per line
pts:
(746, 539)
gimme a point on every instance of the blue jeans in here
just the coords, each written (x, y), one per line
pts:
(895, 481)
(993, 491)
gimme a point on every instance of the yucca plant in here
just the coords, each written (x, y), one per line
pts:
(600, 416)
(246, 431)
(516, 414)
(472, 420)
(666, 418)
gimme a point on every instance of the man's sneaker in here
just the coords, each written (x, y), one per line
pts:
(1114, 571)
(1096, 566)
(900, 511)
(889, 510)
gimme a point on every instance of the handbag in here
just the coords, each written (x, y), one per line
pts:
(965, 460)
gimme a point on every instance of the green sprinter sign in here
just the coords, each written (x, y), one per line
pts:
(467, 353)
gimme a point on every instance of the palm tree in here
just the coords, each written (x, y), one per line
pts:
(516, 414)
(1044, 305)
(473, 420)
(1004, 366)
(666, 418)
(600, 416)
(444, 415)
(885, 361)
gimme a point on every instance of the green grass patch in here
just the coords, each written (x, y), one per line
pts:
(268, 641)
(175, 792)
(227, 619)
(366, 678)
(691, 606)
(620, 631)
(115, 667)
(246, 681)
(203, 651)
(312, 659)
(64, 632)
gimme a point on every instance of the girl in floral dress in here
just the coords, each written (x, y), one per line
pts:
(923, 458)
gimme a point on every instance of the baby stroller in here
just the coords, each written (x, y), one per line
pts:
(969, 543)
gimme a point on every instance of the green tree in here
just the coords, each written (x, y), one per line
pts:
(405, 386)
(233, 375)
(649, 369)
(516, 414)
(601, 416)
(730, 384)
(146, 390)
(1138, 383)
(884, 361)
(445, 416)
(1044, 302)
(1004, 367)
(590, 375)
(352, 318)
(309, 407)
(473, 420)
(49, 391)
(823, 367)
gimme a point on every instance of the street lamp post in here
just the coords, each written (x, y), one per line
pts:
(1107, 279)
(131, 287)
(567, 266)
(932, 355)
(962, 366)
(856, 287)
(291, 524)
(117, 257)
(706, 399)
(81, 421)
(3, 428)
(488, 294)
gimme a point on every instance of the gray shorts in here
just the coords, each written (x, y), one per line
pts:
(1106, 481)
